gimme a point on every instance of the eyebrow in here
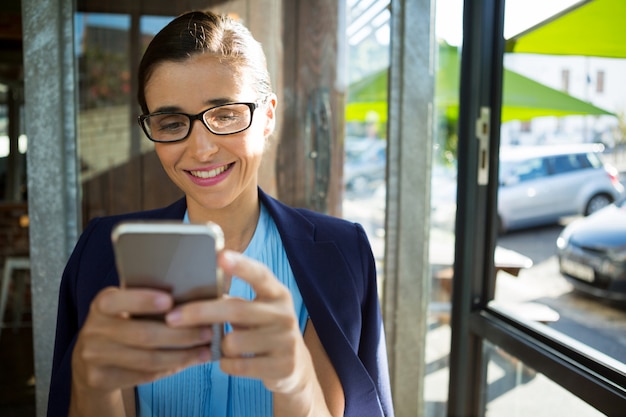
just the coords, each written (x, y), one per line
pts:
(208, 103)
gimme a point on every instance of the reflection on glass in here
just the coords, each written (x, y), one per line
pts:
(514, 389)
(108, 135)
(561, 159)
(13, 145)
(102, 52)
(366, 120)
(448, 24)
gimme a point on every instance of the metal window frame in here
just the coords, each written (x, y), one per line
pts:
(600, 384)
(586, 375)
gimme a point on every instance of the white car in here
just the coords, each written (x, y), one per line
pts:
(365, 171)
(541, 184)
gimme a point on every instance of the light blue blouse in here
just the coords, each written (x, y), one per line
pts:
(204, 390)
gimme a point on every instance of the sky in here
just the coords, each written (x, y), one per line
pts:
(519, 15)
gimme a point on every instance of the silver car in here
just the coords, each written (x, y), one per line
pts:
(539, 185)
(365, 171)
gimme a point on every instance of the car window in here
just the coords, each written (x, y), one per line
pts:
(524, 170)
(592, 160)
(561, 164)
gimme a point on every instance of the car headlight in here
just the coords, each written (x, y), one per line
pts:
(618, 254)
(563, 240)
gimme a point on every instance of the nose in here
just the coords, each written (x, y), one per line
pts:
(201, 142)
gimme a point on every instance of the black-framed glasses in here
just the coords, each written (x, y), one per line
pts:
(225, 119)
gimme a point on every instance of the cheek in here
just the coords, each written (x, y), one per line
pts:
(257, 150)
(252, 146)
(166, 153)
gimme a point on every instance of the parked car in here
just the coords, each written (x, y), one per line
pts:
(367, 169)
(356, 145)
(540, 185)
(592, 253)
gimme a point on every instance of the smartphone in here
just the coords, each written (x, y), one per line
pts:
(176, 257)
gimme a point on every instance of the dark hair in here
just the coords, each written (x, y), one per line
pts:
(205, 32)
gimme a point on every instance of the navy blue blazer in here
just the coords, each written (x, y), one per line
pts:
(332, 263)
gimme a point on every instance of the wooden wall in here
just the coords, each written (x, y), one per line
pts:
(139, 184)
(310, 67)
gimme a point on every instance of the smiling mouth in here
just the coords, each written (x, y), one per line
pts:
(210, 174)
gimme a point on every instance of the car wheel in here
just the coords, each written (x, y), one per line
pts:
(597, 202)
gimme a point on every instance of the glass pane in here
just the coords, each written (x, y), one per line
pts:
(109, 141)
(366, 120)
(561, 159)
(4, 141)
(448, 29)
(516, 390)
(13, 144)
(104, 101)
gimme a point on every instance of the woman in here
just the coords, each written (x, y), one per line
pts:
(307, 336)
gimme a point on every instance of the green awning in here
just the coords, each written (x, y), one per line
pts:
(591, 28)
(523, 98)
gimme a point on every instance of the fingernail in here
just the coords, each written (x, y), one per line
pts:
(231, 257)
(162, 301)
(204, 355)
(174, 317)
(206, 334)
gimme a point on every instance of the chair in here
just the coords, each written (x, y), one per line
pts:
(12, 264)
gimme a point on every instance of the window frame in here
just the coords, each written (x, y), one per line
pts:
(585, 373)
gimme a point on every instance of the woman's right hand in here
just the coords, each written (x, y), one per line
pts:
(115, 351)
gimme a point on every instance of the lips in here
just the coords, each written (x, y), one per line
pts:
(211, 173)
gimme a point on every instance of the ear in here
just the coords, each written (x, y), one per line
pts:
(270, 115)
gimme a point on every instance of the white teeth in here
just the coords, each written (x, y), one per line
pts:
(209, 174)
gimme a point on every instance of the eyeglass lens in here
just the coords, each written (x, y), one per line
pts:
(222, 120)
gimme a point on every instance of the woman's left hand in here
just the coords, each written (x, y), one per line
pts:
(266, 342)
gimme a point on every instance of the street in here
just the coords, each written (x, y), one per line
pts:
(594, 322)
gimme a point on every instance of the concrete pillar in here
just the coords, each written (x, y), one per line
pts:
(53, 204)
(407, 270)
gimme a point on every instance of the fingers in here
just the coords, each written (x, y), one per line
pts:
(106, 366)
(259, 342)
(263, 282)
(146, 360)
(260, 367)
(111, 344)
(273, 303)
(237, 312)
(114, 301)
(109, 320)
(156, 334)
(281, 362)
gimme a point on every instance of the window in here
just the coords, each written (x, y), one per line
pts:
(13, 145)
(564, 163)
(551, 334)
(565, 79)
(530, 169)
(600, 81)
